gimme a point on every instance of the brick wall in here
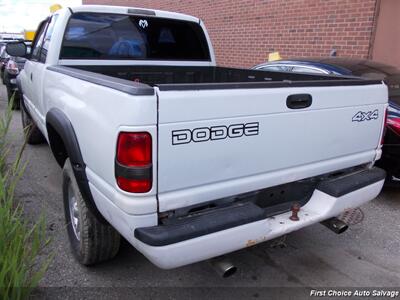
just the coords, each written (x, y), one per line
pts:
(244, 32)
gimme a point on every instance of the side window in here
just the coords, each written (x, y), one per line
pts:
(47, 38)
(37, 44)
(277, 68)
(270, 68)
(285, 68)
(301, 69)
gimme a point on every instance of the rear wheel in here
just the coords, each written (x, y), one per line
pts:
(91, 240)
(32, 134)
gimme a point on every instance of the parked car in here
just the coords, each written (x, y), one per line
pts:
(13, 68)
(3, 54)
(390, 160)
(187, 160)
(3, 60)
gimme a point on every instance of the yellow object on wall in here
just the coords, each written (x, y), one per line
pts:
(29, 35)
(55, 7)
(274, 56)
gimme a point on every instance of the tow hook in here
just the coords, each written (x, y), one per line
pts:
(295, 210)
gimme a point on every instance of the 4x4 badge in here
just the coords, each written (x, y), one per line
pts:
(366, 116)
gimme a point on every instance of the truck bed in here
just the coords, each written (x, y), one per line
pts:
(190, 77)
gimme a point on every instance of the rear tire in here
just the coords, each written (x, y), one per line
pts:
(91, 240)
(32, 134)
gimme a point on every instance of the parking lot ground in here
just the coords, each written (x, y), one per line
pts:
(367, 255)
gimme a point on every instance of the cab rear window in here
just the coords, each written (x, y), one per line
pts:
(117, 36)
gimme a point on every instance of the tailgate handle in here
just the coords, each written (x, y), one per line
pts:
(299, 101)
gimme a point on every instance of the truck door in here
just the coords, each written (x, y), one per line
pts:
(31, 70)
(35, 69)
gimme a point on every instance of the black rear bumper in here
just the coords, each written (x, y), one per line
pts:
(191, 227)
(240, 213)
(342, 185)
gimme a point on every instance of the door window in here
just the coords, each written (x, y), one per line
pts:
(47, 38)
(306, 70)
(37, 43)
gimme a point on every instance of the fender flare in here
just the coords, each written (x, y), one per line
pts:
(63, 127)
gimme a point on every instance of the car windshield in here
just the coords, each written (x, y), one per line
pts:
(117, 36)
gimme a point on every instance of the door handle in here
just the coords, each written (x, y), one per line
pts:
(299, 101)
(31, 76)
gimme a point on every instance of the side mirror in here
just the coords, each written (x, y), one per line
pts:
(18, 49)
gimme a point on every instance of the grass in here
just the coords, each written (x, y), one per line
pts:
(21, 242)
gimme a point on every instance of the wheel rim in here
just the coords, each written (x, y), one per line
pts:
(73, 211)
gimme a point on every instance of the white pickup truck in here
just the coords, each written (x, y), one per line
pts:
(184, 159)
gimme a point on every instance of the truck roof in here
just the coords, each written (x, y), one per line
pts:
(133, 11)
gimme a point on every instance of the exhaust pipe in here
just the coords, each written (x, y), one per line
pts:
(223, 266)
(336, 225)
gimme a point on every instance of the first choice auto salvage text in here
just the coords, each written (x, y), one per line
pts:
(355, 293)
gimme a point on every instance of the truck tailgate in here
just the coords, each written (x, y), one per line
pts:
(215, 143)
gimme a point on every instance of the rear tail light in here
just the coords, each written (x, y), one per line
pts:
(134, 185)
(12, 67)
(394, 124)
(134, 149)
(133, 166)
(384, 127)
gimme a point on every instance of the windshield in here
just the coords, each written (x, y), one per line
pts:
(116, 36)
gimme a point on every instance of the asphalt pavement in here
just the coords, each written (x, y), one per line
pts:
(367, 255)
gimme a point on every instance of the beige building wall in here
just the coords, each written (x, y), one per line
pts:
(386, 43)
